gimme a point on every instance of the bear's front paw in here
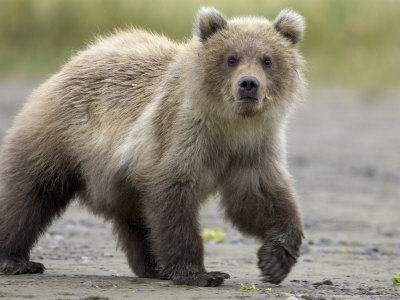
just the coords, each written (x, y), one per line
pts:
(211, 279)
(277, 256)
(16, 266)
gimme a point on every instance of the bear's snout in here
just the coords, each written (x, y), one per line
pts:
(248, 87)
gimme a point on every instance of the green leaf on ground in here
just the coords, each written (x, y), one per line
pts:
(346, 250)
(253, 287)
(217, 235)
(396, 280)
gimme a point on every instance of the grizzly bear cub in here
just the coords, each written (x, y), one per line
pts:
(141, 129)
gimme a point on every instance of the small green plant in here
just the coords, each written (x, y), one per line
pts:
(217, 235)
(248, 287)
(346, 250)
(396, 280)
(253, 287)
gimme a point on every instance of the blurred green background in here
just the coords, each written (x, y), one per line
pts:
(348, 42)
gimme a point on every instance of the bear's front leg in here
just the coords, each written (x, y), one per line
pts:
(264, 205)
(171, 210)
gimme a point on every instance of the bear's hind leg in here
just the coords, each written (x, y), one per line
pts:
(34, 188)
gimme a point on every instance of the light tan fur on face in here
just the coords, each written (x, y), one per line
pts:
(250, 40)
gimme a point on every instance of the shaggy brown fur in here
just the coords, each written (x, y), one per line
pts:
(142, 129)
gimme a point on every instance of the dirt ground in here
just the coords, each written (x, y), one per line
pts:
(344, 155)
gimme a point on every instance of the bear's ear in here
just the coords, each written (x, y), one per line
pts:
(208, 21)
(291, 25)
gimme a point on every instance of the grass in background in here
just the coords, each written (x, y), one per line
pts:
(354, 42)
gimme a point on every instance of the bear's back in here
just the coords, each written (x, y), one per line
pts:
(114, 78)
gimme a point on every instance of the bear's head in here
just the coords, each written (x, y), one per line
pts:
(251, 64)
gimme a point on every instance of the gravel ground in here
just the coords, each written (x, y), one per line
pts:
(344, 155)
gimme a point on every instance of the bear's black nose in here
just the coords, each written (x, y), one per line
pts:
(248, 86)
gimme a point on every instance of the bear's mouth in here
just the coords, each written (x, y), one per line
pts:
(248, 100)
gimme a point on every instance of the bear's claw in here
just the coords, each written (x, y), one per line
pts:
(276, 259)
(16, 266)
(211, 279)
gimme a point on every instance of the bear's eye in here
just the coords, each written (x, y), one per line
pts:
(267, 61)
(232, 61)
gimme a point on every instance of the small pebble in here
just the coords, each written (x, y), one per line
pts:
(325, 241)
(233, 263)
(305, 249)
(325, 282)
(87, 283)
(308, 259)
(388, 231)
